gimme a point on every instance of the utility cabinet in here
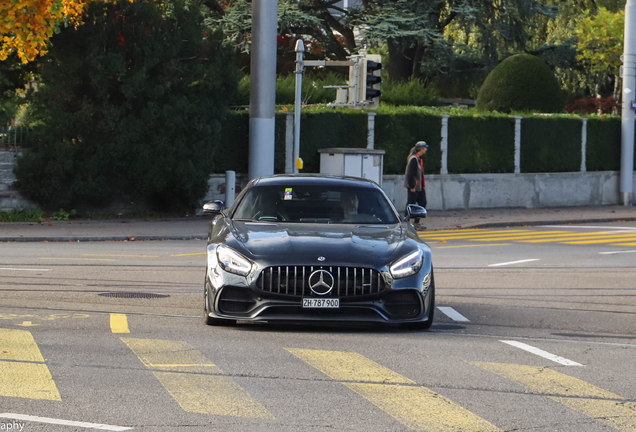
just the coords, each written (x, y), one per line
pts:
(354, 162)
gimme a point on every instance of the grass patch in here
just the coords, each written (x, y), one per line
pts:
(15, 215)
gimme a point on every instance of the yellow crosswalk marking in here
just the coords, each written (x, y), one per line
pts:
(417, 407)
(624, 244)
(572, 392)
(23, 373)
(604, 240)
(439, 236)
(581, 236)
(119, 323)
(471, 246)
(193, 381)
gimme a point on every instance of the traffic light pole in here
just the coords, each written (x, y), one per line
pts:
(628, 113)
(300, 51)
(263, 88)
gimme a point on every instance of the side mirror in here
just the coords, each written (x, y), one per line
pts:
(414, 211)
(213, 207)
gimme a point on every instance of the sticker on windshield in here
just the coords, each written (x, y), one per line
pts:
(288, 193)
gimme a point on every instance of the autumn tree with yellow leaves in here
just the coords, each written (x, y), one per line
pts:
(27, 25)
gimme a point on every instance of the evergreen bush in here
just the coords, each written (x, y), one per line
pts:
(130, 109)
(550, 144)
(522, 82)
(409, 93)
(603, 148)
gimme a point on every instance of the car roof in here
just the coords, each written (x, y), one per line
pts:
(314, 179)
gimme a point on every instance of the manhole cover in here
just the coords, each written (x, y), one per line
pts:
(133, 295)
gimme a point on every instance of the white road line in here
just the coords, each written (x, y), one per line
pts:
(540, 352)
(453, 314)
(63, 422)
(513, 262)
(590, 227)
(616, 252)
(21, 269)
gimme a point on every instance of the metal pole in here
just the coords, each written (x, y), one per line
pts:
(371, 130)
(628, 117)
(230, 188)
(289, 143)
(263, 87)
(300, 50)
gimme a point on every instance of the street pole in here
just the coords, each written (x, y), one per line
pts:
(263, 88)
(300, 50)
(628, 114)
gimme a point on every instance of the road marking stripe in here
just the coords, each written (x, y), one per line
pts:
(470, 246)
(416, 407)
(471, 236)
(119, 323)
(453, 314)
(31, 380)
(574, 393)
(612, 239)
(190, 254)
(134, 256)
(560, 237)
(443, 234)
(591, 236)
(619, 252)
(77, 259)
(513, 262)
(588, 227)
(541, 353)
(201, 389)
(23, 269)
(49, 420)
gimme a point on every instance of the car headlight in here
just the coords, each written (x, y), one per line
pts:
(408, 265)
(233, 262)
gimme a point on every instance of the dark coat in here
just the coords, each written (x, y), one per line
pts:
(413, 174)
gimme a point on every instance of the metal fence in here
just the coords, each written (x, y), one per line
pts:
(13, 137)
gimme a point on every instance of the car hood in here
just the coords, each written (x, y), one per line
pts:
(340, 244)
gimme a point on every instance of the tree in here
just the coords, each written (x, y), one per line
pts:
(599, 42)
(130, 108)
(27, 25)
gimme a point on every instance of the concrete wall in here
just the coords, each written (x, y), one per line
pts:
(444, 192)
(472, 191)
(9, 198)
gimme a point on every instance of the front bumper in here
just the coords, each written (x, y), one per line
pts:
(403, 301)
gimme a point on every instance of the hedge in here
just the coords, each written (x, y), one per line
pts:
(603, 148)
(481, 145)
(397, 132)
(476, 143)
(550, 144)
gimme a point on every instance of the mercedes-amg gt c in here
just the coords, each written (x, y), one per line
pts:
(316, 248)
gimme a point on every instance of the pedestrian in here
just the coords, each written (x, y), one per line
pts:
(414, 180)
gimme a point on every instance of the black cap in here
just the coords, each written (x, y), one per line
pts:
(421, 144)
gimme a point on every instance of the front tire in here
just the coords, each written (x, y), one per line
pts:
(206, 312)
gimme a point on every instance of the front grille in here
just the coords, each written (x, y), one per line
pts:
(294, 281)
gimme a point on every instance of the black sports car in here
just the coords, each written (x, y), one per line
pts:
(316, 248)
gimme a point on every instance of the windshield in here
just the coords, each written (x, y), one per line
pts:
(315, 204)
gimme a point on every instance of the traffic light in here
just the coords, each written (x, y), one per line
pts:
(364, 81)
(371, 80)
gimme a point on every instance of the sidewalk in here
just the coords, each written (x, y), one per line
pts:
(196, 228)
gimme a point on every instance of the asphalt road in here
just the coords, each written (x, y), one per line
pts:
(535, 331)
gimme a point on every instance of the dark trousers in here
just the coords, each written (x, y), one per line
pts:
(417, 197)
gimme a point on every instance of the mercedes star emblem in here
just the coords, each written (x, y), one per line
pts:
(321, 282)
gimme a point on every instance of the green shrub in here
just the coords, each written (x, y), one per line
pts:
(17, 215)
(410, 93)
(233, 150)
(550, 144)
(521, 83)
(603, 148)
(130, 109)
(481, 145)
(312, 93)
(397, 131)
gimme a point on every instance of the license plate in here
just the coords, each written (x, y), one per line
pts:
(318, 303)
